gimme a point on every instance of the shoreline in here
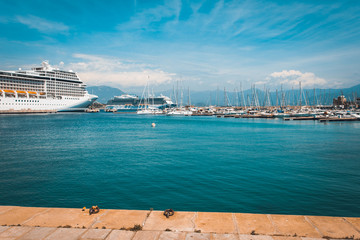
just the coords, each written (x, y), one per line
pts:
(245, 116)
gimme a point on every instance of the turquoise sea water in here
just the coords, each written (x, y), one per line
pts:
(186, 163)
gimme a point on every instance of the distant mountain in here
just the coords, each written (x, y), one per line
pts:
(248, 97)
(260, 97)
(104, 92)
(353, 89)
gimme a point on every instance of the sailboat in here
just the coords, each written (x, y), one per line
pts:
(144, 108)
(150, 104)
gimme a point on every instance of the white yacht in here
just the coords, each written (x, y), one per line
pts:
(179, 111)
(43, 88)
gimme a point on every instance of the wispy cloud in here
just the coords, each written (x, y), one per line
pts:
(259, 20)
(213, 42)
(150, 19)
(100, 70)
(42, 25)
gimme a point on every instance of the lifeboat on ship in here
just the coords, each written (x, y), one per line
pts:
(9, 92)
(20, 92)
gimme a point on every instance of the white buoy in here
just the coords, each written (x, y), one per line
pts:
(153, 124)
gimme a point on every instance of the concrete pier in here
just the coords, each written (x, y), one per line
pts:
(65, 223)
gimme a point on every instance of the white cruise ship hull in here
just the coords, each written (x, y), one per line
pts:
(63, 104)
(43, 89)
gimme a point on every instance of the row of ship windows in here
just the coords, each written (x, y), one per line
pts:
(21, 84)
(65, 89)
(37, 89)
(62, 83)
(60, 76)
(72, 98)
(38, 104)
(26, 100)
(40, 81)
(64, 86)
(21, 80)
(67, 94)
(14, 84)
(64, 92)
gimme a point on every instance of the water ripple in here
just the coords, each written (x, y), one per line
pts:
(185, 163)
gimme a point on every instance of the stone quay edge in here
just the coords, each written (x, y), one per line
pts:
(73, 223)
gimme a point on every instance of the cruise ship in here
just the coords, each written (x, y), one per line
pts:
(43, 89)
(132, 103)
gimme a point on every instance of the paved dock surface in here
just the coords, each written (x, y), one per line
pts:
(65, 223)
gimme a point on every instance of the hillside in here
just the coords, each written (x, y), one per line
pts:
(104, 92)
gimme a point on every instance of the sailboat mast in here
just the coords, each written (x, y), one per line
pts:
(189, 102)
(177, 93)
(210, 99)
(314, 104)
(300, 94)
(181, 94)
(243, 97)
(153, 96)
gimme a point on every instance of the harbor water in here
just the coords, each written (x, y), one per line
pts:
(118, 161)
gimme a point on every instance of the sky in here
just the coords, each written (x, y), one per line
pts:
(202, 44)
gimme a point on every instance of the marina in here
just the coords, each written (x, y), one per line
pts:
(292, 113)
(301, 109)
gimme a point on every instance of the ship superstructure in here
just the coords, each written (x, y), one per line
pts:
(132, 103)
(43, 88)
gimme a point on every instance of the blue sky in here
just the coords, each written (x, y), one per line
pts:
(206, 44)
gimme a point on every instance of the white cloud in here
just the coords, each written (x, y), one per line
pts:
(98, 70)
(42, 25)
(286, 74)
(290, 78)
